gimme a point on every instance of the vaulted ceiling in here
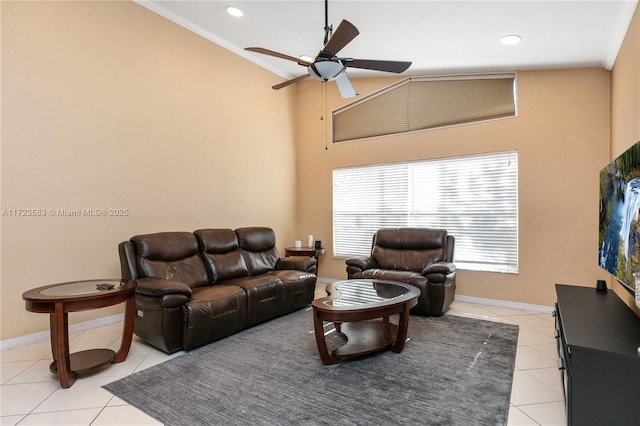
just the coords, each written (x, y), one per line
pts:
(437, 36)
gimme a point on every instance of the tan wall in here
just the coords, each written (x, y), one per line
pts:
(562, 137)
(625, 108)
(108, 105)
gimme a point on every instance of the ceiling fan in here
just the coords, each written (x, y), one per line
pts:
(327, 66)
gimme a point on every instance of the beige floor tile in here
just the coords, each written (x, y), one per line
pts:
(86, 392)
(38, 372)
(534, 336)
(519, 418)
(504, 312)
(155, 357)
(32, 352)
(547, 414)
(125, 414)
(527, 358)
(549, 349)
(549, 376)
(530, 321)
(527, 390)
(9, 370)
(10, 420)
(63, 418)
(24, 397)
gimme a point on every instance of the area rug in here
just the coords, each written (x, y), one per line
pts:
(453, 371)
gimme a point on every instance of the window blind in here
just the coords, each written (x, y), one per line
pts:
(475, 198)
(421, 103)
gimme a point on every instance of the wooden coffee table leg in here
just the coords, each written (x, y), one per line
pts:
(127, 333)
(318, 327)
(60, 333)
(403, 325)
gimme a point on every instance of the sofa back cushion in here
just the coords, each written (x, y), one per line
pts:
(221, 254)
(409, 249)
(170, 256)
(258, 249)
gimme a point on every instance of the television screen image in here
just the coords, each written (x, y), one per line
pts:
(619, 227)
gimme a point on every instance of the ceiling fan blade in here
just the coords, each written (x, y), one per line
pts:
(344, 86)
(278, 55)
(288, 82)
(372, 64)
(345, 32)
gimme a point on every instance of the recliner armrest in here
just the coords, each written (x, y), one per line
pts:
(362, 263)
(161, 287)
(358, 265)
(298, 263)
(438, 272)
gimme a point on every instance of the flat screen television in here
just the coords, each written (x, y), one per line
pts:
(619, 252)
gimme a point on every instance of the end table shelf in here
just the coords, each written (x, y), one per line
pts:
(59, 299)
(86, 360)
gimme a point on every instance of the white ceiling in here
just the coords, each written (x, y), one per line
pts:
(438, 36)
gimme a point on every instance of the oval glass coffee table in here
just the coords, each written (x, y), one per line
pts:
(360, 310)
(59, 299)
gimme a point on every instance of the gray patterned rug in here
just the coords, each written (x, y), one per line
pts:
(453, 371)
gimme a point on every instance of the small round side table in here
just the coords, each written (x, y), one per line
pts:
(59, 299)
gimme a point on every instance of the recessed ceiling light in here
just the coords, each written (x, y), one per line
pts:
(234, 11)
(306, 58)
(510, 39)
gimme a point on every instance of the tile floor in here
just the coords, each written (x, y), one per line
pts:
(30, 395)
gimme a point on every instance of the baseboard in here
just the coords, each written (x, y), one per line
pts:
(505, 304)
(45, 335)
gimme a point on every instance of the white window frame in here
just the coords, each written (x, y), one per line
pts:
(477, 203)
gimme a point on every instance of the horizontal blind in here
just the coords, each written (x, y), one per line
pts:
(365, 199)
(475, 198)
(421, 103)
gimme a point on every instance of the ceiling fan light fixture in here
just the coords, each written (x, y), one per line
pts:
(326, 70)
(234, 11)
(510, 39)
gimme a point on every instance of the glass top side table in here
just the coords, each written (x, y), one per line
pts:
(59, 299)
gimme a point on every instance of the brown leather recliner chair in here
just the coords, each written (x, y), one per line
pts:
(418, 256)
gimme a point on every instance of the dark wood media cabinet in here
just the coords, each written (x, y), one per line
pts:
(598, 338)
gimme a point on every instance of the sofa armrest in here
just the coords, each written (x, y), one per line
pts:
(161, 287)
(438, 272)
(298, 263)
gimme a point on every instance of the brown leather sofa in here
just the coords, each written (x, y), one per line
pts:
(195, 288)
(418, 256)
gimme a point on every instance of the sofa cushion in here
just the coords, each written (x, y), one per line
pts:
(221, 254)
(264, 293)
(170, 256)
(298, 289)
(258, 249)
(212, 313)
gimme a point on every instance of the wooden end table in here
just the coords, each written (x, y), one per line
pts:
(360, 310)
(59, 299)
